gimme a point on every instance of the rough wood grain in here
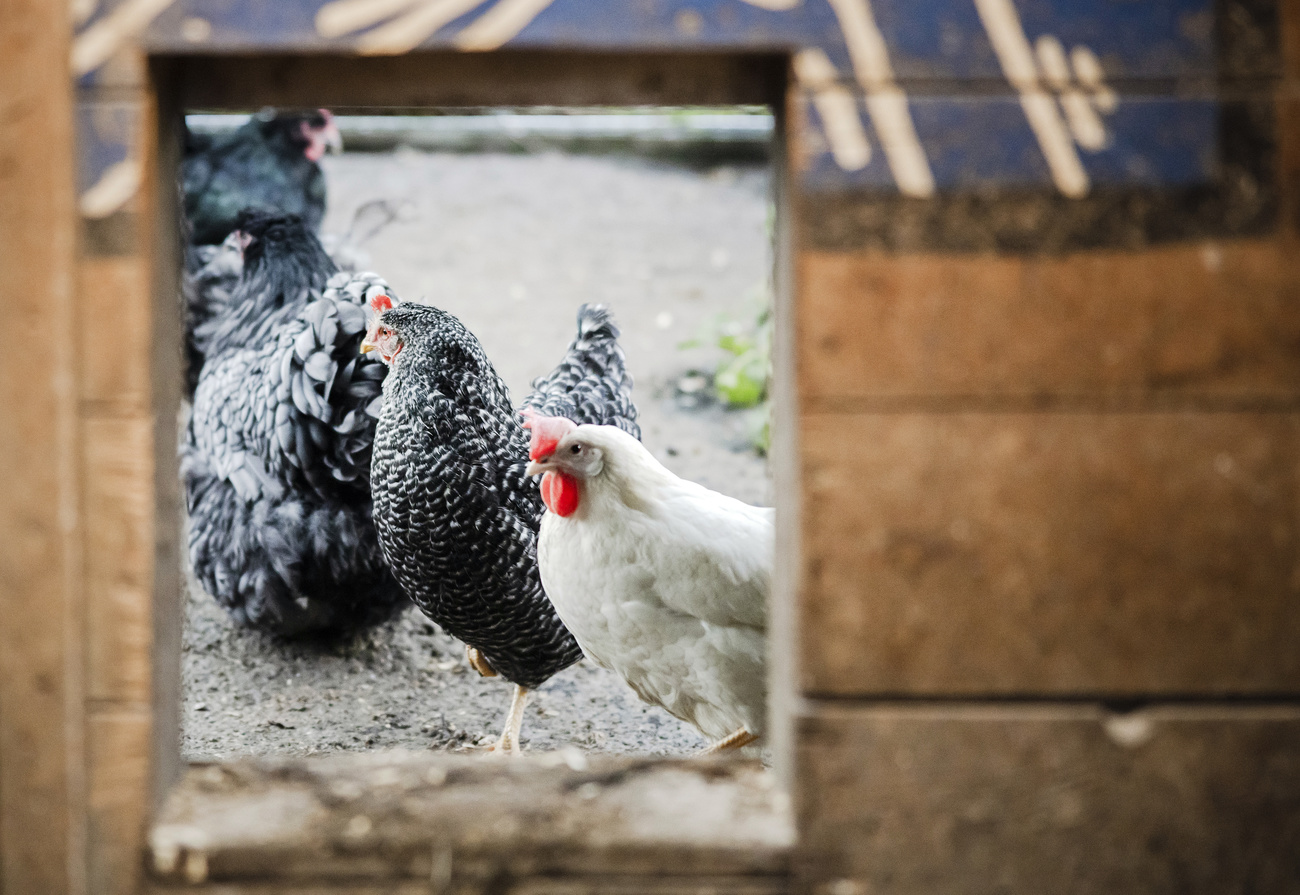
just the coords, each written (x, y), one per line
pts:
(113, 311)
(118, 475)
(41, 827)
(1051, 553)
(160, 119)
(1197, 323)
(976, 800)
(464, 821)
(118, 759)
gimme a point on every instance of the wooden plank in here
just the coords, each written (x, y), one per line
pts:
(41, 834)
(118, 475)
(977, 142)
(113, 307)
(576, 885)
(1024, 554)
(947, 41)
(154, 888)
(1202, 322)
(119, 742)
(1288, 120)
(784, 462)
(525, 78)
(977, 800)
(462, 821)
(161, 142)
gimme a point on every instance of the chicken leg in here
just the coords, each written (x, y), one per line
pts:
(509, 742)
(478, 662)
(741, 737)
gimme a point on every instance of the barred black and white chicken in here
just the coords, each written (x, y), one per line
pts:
(457, 515)
(276, 457)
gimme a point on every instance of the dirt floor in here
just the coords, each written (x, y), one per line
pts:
(512, 244)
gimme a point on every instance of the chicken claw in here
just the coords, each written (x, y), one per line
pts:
(737, 740)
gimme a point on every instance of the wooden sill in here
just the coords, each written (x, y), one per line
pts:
(410, 822)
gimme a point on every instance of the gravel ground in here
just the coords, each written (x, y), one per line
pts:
(511, 244)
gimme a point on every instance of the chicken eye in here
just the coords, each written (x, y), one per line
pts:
(576, 449)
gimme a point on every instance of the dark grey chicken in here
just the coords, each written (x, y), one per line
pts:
(271, 163)
(213, 272)
(457, 516)
(207, 288)
(276, 457)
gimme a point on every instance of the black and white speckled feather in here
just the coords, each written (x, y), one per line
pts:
(276, 457)
(457, 517)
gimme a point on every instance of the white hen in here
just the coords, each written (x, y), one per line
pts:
(659, 579)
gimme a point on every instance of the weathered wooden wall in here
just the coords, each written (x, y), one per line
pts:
(1049, 601)
(127, 378)
(42, 731)
(1039, 461)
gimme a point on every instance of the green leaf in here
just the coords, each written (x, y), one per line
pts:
(743, 382)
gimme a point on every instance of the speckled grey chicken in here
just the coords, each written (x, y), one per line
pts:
(276, 457)
(457, 515)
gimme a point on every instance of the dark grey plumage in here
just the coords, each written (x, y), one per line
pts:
(208, 285)
(457, 517)
(212, 274)
(276, 457)
(262, 164)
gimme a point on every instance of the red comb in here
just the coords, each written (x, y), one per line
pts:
(381, 303)
(547, 432)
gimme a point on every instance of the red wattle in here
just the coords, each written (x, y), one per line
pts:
(560, 493)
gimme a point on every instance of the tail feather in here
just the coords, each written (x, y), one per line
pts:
(591, 384)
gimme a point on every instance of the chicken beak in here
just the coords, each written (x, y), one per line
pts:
(536, 468)
(366, 347)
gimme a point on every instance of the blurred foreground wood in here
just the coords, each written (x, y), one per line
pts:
(557, 822)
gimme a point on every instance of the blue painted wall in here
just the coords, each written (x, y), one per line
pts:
(971, 130)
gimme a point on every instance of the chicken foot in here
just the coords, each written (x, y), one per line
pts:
(740, 738)
(509, 742)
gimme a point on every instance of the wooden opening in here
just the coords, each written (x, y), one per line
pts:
(268, 820)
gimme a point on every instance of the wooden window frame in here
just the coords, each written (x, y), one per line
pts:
(441, 79)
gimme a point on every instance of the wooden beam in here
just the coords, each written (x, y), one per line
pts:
(162, 215)
(582, 823)
(41, 766)
(504, 78)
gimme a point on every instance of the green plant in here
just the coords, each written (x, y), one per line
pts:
(742, 376)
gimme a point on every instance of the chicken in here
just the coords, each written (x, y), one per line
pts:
(276, 456)
(207, 286)
(660, 579)
(213, 273)
(456, 514)
(271, 163)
